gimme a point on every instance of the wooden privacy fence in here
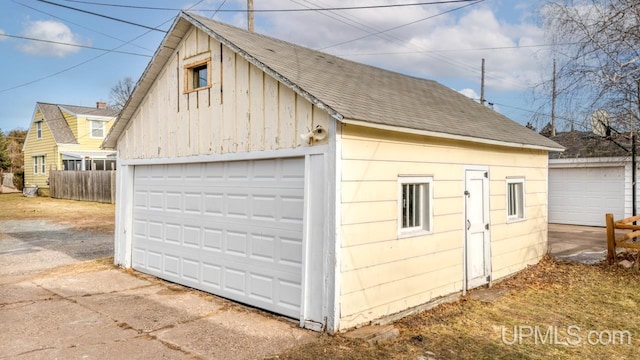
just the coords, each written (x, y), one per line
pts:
(98, 185)
(627, 241)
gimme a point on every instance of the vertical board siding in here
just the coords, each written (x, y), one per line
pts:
(96, 186)
(243, 110)
(383, 274)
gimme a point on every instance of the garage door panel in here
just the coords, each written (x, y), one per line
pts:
(233, 229)
(582, 196)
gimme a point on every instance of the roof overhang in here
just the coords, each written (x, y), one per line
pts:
(590, 162)
(179, 29)
(447, 136)
(103, 154)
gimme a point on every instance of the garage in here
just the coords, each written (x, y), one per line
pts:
(234, 229)
(583, 195)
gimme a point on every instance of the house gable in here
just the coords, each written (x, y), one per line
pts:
(243, 109)
(45, 146)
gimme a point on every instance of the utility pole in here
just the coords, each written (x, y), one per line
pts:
(553, 101)
(482, 99)
(250, 15)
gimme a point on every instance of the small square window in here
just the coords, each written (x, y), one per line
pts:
(515, 199)
(414, 204)
(200, 78)
(197, 76)
(97, 129)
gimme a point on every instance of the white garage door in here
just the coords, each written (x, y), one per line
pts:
(582, 196)
(233, 229)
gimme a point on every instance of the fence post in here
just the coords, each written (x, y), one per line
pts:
(611, 239)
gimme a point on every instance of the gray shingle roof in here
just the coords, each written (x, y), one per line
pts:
(57, 123)
(584, 144)
(351, 90)
(90, 111)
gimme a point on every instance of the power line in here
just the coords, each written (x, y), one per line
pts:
(401, 26)
(71, 44)
(375, 32)
(79, 25)
(103, 16)
(279, 10)
(516, 47)
(89, 60)
(218, 9)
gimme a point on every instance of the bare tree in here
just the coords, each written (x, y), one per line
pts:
(120, 93)
(598, 51)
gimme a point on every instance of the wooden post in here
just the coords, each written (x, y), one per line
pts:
(611, 240)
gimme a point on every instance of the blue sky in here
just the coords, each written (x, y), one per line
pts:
(440, 43)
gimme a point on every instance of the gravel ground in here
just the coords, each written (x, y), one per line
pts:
(34, 245)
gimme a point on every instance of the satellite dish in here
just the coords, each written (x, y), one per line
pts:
(600, 122)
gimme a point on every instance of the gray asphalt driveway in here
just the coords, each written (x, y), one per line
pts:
(56, 302)
(586, 244)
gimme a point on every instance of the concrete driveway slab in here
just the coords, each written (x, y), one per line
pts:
(585, 244)
(236, 335)
(55, 324)
(21, 292)
(152, 308)
(139, 348)
(91, 283)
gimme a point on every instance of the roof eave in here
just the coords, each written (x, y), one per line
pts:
(157, 62)
(268, 70)
(449, 136)
(175, 35)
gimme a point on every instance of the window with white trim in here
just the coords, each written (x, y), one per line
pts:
(39, 165)
(96, 128)
(39, 129)
(414, 204)
(515, 199)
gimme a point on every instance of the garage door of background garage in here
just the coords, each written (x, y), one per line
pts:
(583, 195)
(234, 229)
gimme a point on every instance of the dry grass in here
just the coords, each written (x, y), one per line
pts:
(81, 214)
(553, 293)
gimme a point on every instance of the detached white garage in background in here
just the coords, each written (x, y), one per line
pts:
(591, 178)
(582, 191)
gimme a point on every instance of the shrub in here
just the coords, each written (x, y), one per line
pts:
(18, 179)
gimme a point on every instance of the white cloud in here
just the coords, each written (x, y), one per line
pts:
(2, 38)
(470, 93)
(425, 48)
(52, 31)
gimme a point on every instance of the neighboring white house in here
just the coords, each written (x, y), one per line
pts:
(318, 188)
(592, 177)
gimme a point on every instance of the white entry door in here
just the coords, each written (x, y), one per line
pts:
(234, 229)
(478, 244)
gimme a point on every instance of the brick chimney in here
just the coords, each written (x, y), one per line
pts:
(101, 105)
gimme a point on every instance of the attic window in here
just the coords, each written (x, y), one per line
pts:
(197, 76)
(39, 129)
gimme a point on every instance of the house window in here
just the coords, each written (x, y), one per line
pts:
(515, 199)
(414, 204)
(97, 129)
(72, 164)
(197, 76)
(39, 129)
(99, 164)
(39, 166)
